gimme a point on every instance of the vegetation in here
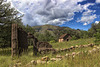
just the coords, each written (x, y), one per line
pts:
(84, 60)
(73, 43)
(6, 60)
(48, 33)
(8, 16)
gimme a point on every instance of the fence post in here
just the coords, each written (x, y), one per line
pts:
(14, 40)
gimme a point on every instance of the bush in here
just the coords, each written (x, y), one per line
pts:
(52, 41)
(97, 36)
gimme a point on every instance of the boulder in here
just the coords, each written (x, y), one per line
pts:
(39, 61)
(53, 59)
(73, 53)
(76, 46)
(43, 45)
(58, 56)
(45, 58)
(33, 62)
(66, 55)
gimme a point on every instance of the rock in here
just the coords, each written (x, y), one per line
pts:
(81, 46)
(61, 50)
(39, 61)
(94, 49)
(69, 49)
(15, 65)
(66, 55)
(43, 45)
(76, 46)
(45, 58)
(73, 53)
(90, 51)
(94, 46)
(43, 62)
(58, 59)
(48, 62)
(34, 62)
(63, 57)
(72, 47)
(85, 45)
(58, 51)
(53, 59)
(91, 45)
(73, 56)
(19, 64)
(64, 49)
(85, 51)
(98, 48)
(58, 56)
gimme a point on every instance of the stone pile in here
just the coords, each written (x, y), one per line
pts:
(47, 59)
(74, 47)
(46, 50)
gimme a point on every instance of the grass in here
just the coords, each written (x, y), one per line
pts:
(6, 59)
(84, 60)
(73, 43)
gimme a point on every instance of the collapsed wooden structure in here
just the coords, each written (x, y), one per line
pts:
(19, 41)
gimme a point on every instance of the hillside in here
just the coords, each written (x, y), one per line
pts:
(43, 28)
(56, 31)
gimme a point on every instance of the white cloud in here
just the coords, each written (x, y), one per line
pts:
(56, 12)
(88, 12)
(96, 22)
(88, 15)
(85, 24)
(97, 1)
(87, 19)
(87, 5)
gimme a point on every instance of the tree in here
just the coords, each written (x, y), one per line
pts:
(97, 36)
(29, 29)
(93, 29)
(8, 16)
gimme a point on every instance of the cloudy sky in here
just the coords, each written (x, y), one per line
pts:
(77, 14)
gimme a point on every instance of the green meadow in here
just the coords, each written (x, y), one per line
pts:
(84, 60)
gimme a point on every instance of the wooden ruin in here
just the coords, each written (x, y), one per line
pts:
(19, 42)
(64, 37)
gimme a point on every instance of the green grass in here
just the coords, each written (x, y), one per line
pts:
(67, 44)
(6, 59)
(84, 60)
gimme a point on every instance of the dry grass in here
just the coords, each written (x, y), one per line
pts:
(80, 61)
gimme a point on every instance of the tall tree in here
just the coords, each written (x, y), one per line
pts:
(8, 16)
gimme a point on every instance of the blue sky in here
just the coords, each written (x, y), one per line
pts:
(76, 14)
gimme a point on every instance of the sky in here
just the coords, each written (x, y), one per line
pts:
(76, 14)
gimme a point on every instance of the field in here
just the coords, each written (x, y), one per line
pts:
(83, 60)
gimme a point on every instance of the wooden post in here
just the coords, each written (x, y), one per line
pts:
(14, 40)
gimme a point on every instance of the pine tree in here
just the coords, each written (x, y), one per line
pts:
(8, 16)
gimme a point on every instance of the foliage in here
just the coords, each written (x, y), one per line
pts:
(8, 16)
(52, 41)
(30, 29)
(97, 36)
(94, 31)
(6, 60)
(73, 43)
(45, 37)
(50, 32)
